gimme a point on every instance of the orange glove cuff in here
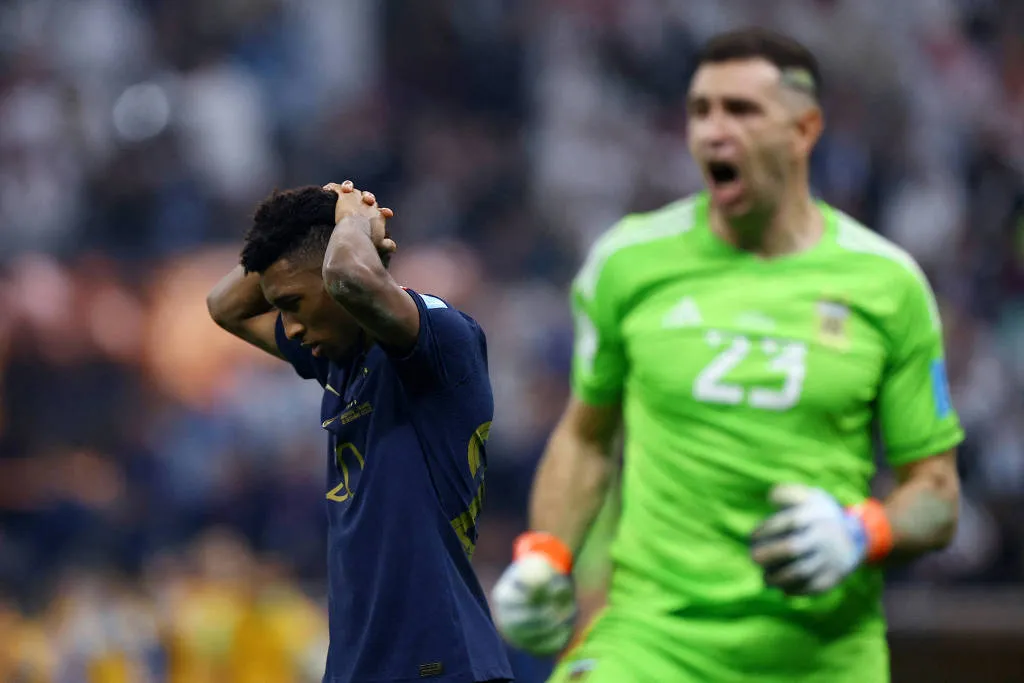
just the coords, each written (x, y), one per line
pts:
(876, 527)
(546, 544)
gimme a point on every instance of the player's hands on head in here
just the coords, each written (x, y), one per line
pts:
(811, 544)
(534, 601)
(352, 201)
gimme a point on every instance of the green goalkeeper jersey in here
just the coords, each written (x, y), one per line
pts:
(736, 373)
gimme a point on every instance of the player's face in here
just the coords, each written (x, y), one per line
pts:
(308, 312)
(741, 132)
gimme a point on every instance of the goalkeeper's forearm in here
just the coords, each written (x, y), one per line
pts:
(573, 475)
(923, 510)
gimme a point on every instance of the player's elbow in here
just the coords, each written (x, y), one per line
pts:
(588, 429)
(225, 310)
(218, 309)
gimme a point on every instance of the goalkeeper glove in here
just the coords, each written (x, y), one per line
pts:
(812, 544)
(534, 601)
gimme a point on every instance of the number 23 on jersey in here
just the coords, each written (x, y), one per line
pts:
(784, 370)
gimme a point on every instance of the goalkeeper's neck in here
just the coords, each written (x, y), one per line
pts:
(790, 224)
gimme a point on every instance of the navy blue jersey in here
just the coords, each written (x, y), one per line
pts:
(405, 484)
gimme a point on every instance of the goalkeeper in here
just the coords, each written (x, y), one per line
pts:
(748, 339)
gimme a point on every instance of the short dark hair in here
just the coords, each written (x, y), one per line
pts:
(296, 222)
(790, 56)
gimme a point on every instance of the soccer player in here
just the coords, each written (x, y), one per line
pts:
(748, 338)
(407, 407)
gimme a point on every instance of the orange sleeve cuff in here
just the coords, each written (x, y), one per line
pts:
(876, 527)
(545, 544)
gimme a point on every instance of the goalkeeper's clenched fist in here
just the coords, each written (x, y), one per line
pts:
(813, 542)
(534, 601)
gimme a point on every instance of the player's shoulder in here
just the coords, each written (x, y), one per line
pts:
(636, 237)
(879, 253)
(639, 229)
(441, 312)
(891, 266)
(429, 301)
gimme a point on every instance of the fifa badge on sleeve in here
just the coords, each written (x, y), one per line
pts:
(940, 388)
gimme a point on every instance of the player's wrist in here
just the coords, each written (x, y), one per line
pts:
(871, 524)
(549, 546)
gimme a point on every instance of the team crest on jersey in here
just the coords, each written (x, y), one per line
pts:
(832, 318)
(581, 669)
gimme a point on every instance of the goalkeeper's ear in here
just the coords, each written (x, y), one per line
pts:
(809, 124)
(805, 112)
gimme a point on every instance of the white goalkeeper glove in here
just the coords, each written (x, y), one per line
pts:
(812, 544)
(534, 601)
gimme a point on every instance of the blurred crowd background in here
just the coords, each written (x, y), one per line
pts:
(160, 484)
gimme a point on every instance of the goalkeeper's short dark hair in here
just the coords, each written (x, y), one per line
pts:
(293, 223)
(799, 66)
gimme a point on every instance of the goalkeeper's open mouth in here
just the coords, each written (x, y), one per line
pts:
(724, 182)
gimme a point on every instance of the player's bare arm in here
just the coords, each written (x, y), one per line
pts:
(535, 602)
(354, 271)
(573, 476)
(924, 509)
(814, 543)
(238, 305)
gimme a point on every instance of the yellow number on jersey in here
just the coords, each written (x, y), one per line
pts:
(341, 492)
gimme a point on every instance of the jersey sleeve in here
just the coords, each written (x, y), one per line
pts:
(301, 358)
(915, 411)
(599, 359)
(450, 348)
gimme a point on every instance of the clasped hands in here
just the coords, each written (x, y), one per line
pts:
(354, 202)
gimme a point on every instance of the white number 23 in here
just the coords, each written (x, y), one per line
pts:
(786, 358)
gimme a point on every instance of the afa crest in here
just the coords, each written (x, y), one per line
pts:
(833, 317)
